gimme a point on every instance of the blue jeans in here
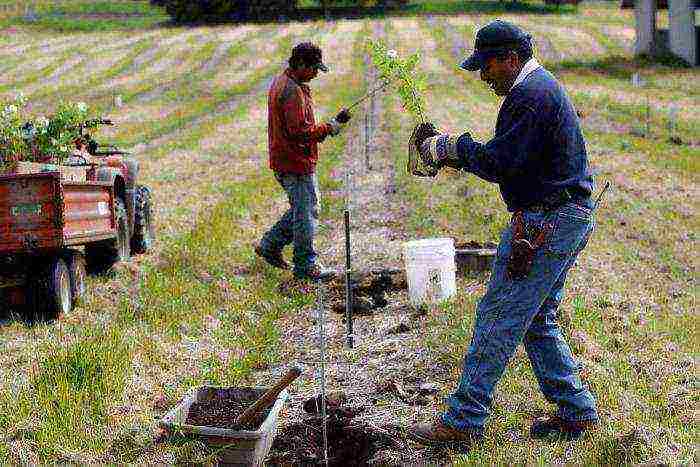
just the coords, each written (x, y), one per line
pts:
(515, 311)
(299, 224)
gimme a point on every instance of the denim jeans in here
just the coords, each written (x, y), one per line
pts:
(299, 224)
(525, 310)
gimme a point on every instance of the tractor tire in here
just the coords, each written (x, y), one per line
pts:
(77, 269)
(144, 233)
(101, 256)
(49, 291)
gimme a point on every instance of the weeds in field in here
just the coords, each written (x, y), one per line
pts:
(69, 394)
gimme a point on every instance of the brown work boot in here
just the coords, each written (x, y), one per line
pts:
(273, 259)
(438, 433)
(558, 428)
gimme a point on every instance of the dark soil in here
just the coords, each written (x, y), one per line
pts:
(471, 244)
(221, 413)
(348, 445)
(350, 442)
(369, 289)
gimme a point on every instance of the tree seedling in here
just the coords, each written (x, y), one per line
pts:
(394, 70)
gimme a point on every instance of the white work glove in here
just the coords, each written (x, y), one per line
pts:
(440, 151)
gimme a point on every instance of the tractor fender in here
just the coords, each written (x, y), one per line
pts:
(115, 176)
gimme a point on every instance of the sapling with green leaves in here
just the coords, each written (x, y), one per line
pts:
(401, 73)
(409, 85)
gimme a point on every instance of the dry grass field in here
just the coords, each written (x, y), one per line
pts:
(203, 310)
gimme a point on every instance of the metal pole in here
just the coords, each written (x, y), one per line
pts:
(646, 133)
(322, 376)
(348, 266)
(348, 289)
(368, 166)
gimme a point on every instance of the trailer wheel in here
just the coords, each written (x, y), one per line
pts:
(77, 272)
(144, 233)
(101, 256)
(50, 291)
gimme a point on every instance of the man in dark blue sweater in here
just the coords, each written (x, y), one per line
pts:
(538, 158)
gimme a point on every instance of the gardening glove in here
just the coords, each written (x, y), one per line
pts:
(440, 151)
(424, 131)
(343, 116)
(339, 121)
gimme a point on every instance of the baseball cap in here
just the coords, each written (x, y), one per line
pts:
(495, 37)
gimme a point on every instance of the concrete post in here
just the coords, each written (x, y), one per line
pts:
(645, 18)
(682, 37)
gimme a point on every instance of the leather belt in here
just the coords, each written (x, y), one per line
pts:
(555, 200)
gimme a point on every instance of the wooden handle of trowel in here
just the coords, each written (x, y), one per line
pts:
(268, 398)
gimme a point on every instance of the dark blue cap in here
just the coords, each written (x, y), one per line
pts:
(497, 36)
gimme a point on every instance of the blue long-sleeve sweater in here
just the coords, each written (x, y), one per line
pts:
(538, 149)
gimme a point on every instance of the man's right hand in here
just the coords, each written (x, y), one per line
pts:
(343, 116)
(423, 132)
(336, 123)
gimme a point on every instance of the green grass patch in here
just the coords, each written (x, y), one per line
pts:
(70, 392)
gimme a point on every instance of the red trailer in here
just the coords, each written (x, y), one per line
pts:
(45, 220)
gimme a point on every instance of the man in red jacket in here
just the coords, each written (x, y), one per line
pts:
(293, 136)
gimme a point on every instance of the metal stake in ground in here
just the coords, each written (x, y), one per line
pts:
(368, 165)
(321, 372)
(348, 290)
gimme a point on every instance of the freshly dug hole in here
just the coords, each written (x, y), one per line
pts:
(302, 444)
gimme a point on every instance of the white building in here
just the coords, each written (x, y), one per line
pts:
(682, 38)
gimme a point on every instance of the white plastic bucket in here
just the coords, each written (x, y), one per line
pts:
(430, 269)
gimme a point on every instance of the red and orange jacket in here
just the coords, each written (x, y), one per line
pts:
(292, 130)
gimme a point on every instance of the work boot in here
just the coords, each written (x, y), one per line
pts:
(558, 428)
(273, 259)
(317, 273)
(438, 433)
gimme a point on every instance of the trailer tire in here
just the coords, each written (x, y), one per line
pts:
(144, 233)
(50, 291)
(77, 270)
(101, 256)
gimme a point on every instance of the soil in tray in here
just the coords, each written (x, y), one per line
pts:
(222, 412)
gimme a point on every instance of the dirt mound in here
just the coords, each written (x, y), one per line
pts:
(302, 444)
(350, 442)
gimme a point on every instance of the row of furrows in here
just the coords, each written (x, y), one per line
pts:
(133, 60)
(48, 63)
(253, 81)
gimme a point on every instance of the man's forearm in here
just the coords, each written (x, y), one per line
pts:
(311, 134)
(473, 158)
